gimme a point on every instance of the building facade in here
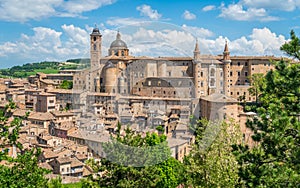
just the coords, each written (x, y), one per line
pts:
(143, 89)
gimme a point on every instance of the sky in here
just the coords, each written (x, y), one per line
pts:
(57, 30)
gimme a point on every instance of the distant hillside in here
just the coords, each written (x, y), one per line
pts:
(47, 67)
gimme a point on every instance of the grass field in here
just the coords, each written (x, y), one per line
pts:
(47, 71)
(73, 185)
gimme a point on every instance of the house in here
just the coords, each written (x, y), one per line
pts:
(67, 166)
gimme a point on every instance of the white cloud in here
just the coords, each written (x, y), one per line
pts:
(198, 32)
(237, 12)
(7, 47)
(73, 42)
(47, 44)
(77, 6)
(188, 15)
(76, 35)
(209, 8)
(285, 5)
(259, 42)
(181, 42)
(115, 21)
(22, 11)
(146, 10)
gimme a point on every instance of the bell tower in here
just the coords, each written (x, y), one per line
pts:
(95, 48)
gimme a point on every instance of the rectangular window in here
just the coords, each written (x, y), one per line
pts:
(230, 73)
(239, 73)
(246, 73)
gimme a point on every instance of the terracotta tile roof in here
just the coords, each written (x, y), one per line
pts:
(219, 98)
(46, 81)
(75, 162)
(41, 116)
(91, 136)
(46, 94)
(61, 113)
(87, 171)
(48, 154)
(81, 156)
(20, 112)
(45, 165)
(173, 142)
(64, 160)
(64, 153)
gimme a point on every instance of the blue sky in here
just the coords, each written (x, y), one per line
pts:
(38, 30)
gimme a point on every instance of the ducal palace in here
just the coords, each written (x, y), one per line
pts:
(150, 91)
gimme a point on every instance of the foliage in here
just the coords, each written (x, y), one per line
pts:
(23, 170)
(257, 85)
(292, 48)
(275, 161)
(160, 128)
(66, 84)
(80, 60)
(47, 67)
(133, 160)
(55, 183)
(213, 165)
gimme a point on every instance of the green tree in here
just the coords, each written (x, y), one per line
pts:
(66, 84)
(275, 161)
(257, 85)
(211, 164)
(133, 160)
(23, 170)
(292, 48)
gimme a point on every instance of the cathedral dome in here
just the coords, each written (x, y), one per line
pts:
(118, 43)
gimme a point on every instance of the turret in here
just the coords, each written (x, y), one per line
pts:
(197, 52)
(197, 70)
(226, 60)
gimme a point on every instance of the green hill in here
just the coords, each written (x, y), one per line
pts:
(47, 67)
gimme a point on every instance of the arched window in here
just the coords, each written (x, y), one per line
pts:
(95, 47)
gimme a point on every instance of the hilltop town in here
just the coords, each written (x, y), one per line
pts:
(149, 94)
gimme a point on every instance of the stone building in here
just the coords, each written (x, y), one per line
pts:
(131, 86)
(147, 92)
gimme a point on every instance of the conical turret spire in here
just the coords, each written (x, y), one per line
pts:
(197, 51)
(226, 53)
(197, 47)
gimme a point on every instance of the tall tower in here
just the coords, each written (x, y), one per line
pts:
(197, 70)
(226, 61)
(95, 48)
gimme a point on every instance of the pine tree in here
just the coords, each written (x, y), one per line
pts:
(275, 161)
